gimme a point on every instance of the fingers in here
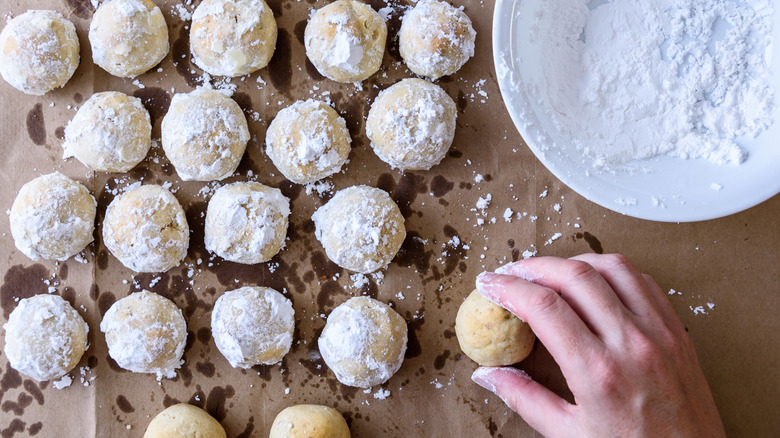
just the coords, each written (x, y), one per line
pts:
(587, 292)
(625, 280)
(539, 407)
(562, 332)
(662, 303)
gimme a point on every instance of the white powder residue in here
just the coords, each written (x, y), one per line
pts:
(702, 309)
(484, 202)
(508, 213)
(553, 238)
(633, 80)
(359, 280)
(179, 10)
(527, 254)
(63, 383)
(345, 50)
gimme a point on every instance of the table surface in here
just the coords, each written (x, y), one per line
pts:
(731, 263)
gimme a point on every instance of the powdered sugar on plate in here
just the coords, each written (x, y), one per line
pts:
(633, 80)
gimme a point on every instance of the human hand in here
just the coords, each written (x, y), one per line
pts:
(624, 353)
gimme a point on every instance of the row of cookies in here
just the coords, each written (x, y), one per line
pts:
(345, 40)
(145, 228)
(204, 134)
(363, 341)
(298, 421)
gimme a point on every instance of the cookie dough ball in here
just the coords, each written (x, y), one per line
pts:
(128, 37)
(145, 333)
(490, 335)
(146, 229)
(411, 124)
(111, 132)
(184, 421)
(363, 342)
(204, 135)
(308, 141)
(246, 222)
(45, 337)
(436, 39)
(309, 421)
(345, 40)
(361, 228)
(232, 37)
(39, 51)
(253, 326)
(52, 218)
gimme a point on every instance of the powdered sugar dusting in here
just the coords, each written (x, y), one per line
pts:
(357, 340)
(632, 80)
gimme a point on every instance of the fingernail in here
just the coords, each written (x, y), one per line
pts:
(518, 269)
(485, 283)
(488, 285)
(481, 377)
(505, 269)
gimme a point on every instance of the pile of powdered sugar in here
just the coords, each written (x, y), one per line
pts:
(633, 80)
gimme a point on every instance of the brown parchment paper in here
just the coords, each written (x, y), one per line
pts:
(731, 263)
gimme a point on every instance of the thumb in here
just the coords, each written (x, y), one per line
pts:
(540, 408)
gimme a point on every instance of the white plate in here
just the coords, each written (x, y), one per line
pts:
(674, 190)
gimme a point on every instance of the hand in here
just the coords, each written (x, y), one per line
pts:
(624, 353)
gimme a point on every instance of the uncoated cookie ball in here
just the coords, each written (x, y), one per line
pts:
(184, 421)
(146, 229)
(232, 37)
(345, 40)
(361, 228)
(246, 222)
(145, 333)
(411, 124)
(111, 132)
(45, 337)
(436, 39)
(52, 218)
(204, 135)
(39, 51)
(490, 335)
(309, 421)
(128, 37)
(363, 342)
(253, 326)
(308, 141)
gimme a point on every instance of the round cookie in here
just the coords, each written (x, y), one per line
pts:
(39, 51)
(345, 40)
(232, 37)
(111, 132)
(204, 135)
(491, 335)
(45, 337)
(52, 218)
(361, 228)
(411, 124)
(145, 333)
(184, 421)
(436, 39)
(246, 222)
(146, 229)
(309, 421)
(363, 342)
(253, 326)
(308, 141)
(128, 37)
